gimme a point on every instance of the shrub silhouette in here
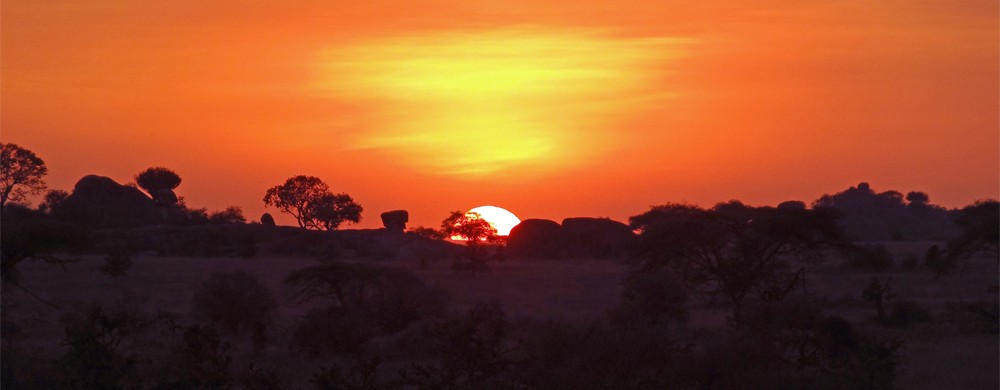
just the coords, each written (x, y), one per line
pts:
(879, 293)
(118, 262)
(231, 214)
(982, 317)
(468, 351)
(95, 359)
(937, 263)
(654, 298)
(200, 361)
(905, 313)
(872, 257)
(236, 302)
(53, 201)
(333, 330)
(362, 375)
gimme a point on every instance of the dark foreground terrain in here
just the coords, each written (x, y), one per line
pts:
(188, 322)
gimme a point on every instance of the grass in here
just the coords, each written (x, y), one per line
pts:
(936, 354)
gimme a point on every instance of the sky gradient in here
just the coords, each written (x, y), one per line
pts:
(598, 109)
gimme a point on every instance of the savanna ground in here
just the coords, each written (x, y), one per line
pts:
(938, 354)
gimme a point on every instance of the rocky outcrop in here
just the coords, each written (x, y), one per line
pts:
(535, 238)
(395, 220)
(576, 238)
(596, 238)
(100, 202)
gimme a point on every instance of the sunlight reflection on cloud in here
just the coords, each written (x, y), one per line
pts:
(473, 103)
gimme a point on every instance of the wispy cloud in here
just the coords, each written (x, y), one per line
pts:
(481, 102)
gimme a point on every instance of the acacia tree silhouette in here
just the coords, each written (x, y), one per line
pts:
(160, 183)
(21, 173)
(470, 226)
(309, 200)
(476, 231)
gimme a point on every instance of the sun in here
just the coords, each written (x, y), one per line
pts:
(500, 218)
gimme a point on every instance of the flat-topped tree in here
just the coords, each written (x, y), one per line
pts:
(159, 182)
(314, 206)
(21, 173)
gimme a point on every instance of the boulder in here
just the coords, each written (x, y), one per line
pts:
(395, 220)
(792, 205)
(267, 219)
(598, 238)
(101, 202)
(164, 197)
(535, 238)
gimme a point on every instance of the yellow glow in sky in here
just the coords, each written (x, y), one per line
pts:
(476, 103)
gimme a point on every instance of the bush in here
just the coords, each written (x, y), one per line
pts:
(333, 330)
(201, 361)
(980, 317)
(363, 375)
(910, 262)
(401, 299)
(905, 313)
(118, 262)
(654, 298)
(938, 263)
(468, 351)
(236, 302)
(96, 359)
(870, 258)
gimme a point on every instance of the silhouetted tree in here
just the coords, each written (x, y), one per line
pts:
(870, 216)
(469, 226)
(52, 200)
(735, 250)
(231, 214)
(427, 232)
(309, 200)
(21, 173)
(980, 223)
(917, 198)
(159, 182)
(477, 232)
(157, 178)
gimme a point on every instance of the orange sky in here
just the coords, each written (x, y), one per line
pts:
(595, 109)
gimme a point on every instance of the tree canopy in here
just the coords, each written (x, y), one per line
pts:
(21, 173)
(314, 206)
(157, 178)
(470, 226)
(734, 250)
